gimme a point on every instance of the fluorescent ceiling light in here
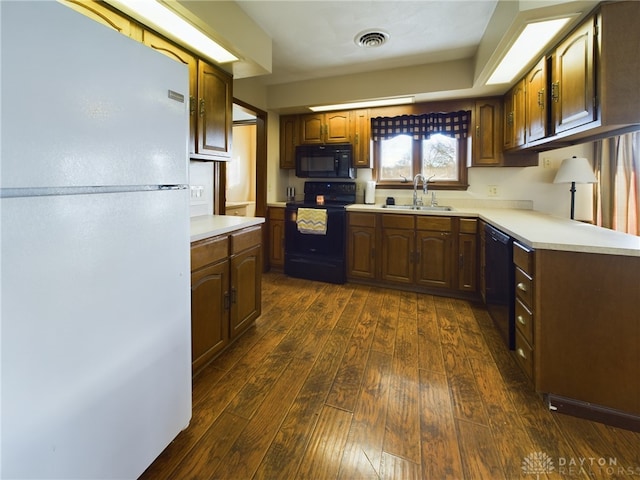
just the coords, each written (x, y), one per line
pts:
(529, 44)
(366, 104)
(156, 14)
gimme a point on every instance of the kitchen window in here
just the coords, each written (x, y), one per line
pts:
(434, 145)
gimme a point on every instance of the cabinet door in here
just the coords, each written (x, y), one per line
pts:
(337, 127)
(467, 262)
(276, 241)
(361, 138)
(209, 312)
(487, 140)
(245, 289)
(312, 128)
(572, 90)
(537, 107)
(214, 112)
(361, 252)
(398, 255)
(172, 51)
(289, 127)
(514, 116)
(434, 259)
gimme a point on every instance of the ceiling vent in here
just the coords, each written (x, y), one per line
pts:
(371, 38)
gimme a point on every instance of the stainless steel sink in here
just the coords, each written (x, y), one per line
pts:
(432, 208)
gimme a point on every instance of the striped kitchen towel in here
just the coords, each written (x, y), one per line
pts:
(312, 220)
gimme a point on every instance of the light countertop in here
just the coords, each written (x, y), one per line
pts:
(538, 230)
(205, 226)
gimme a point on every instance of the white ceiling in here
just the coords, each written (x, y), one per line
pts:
(315, 39)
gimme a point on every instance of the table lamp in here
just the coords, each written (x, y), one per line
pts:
(575, 170)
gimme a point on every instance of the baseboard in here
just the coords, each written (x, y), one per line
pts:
(590, 411)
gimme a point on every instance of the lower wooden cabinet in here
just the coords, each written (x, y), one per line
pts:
(422, 252)
(275, 224)
(226, 278)
(361, 246)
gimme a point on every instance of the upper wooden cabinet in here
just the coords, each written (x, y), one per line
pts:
(514, 116)
(573, 84)
(289, 136)
(537, 104)
(101, 13)
(171, 50)
(361, 134)
(214, 113)
(586, 87)
(331, 127)
(487, 132)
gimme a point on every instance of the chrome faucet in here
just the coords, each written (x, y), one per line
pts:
(425, 188)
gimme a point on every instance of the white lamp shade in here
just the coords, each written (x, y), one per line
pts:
(575, 169)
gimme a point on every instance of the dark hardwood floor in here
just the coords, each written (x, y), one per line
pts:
(357, 382)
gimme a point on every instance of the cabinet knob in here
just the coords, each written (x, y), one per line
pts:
(522, 354)
(521, 320)
(522, 287)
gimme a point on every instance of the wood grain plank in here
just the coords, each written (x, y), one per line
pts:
(394, 467)
(202, 461)
(402, 432)
(502, 415)
(324, 452)
(246, 453)
(429, 343)
(346, 386)
(438, 438)
(285, 452)
(467, 403)
(385, 334)
(363, 450)
(257, 386)
(479, 453)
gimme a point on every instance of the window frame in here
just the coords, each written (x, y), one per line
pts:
(462, 183)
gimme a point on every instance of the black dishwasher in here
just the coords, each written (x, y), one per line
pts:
(499, 282)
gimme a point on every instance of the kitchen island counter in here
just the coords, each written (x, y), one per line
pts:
(205, 226)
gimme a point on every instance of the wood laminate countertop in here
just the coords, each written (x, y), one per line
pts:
(536, 229)
(205, 226)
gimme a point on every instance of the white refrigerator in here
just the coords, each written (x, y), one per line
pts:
(94, 209)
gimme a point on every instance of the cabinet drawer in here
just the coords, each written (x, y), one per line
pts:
(524, 354)
(524, 288)
(244, 239)
(524, 321)
(208, 251)
(468, 225)
(276, 213)
(439, 224)
(362, 219)
(523, 257)
(398, 221)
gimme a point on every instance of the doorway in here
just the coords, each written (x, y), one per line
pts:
(245, 182)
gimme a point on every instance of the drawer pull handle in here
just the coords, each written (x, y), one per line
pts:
(522, 354)
(522, 287)
(521, 320)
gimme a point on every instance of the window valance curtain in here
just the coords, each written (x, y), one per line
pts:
(421, 127)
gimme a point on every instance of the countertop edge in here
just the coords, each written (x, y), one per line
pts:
(205, 226)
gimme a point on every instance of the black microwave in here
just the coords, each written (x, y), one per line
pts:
(325, 161)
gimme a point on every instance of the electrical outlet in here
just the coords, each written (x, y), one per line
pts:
(492, 190)
(197, 191)
(546, 162)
